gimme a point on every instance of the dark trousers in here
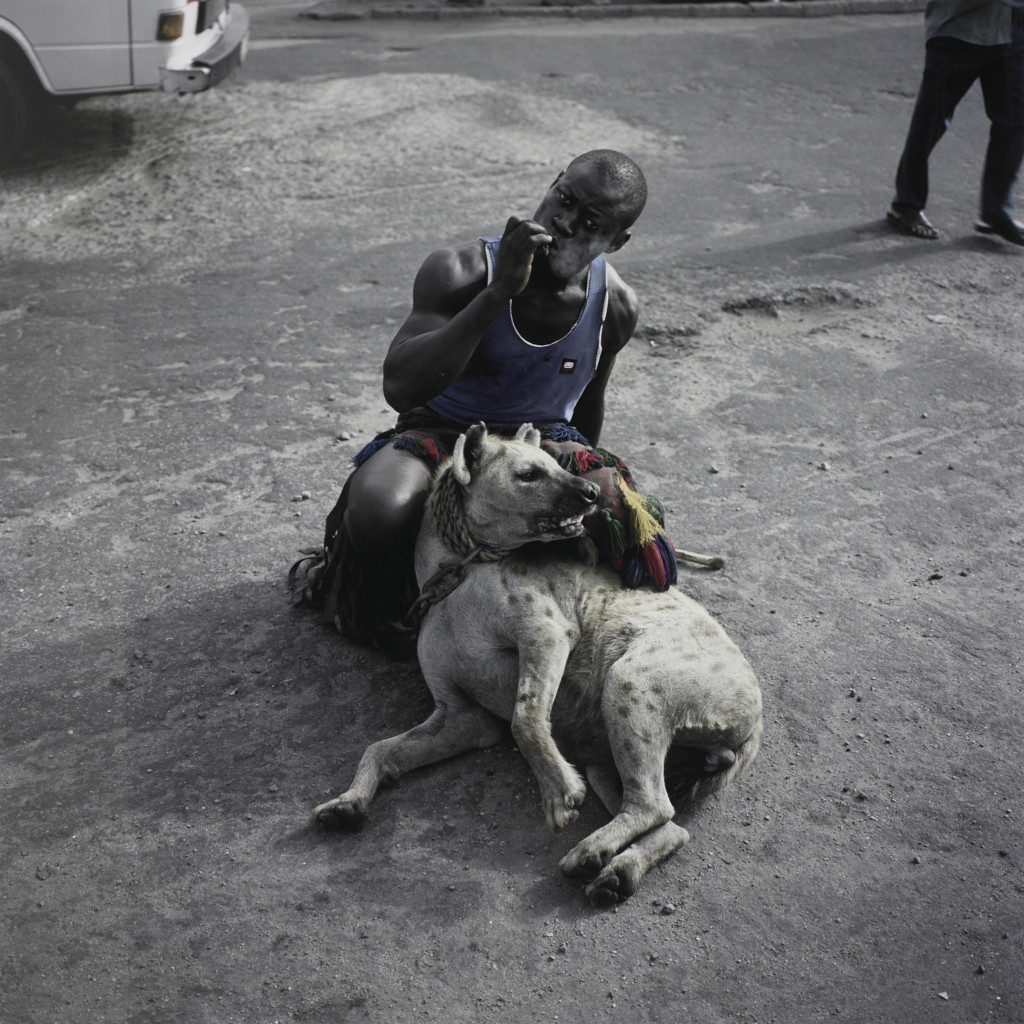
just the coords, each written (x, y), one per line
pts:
(951, 68)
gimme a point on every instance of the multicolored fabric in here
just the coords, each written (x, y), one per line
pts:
(626, 531)
(628, 527)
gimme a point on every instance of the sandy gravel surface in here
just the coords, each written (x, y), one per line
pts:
(195, 295)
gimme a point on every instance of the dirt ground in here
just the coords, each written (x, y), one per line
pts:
(195, 296)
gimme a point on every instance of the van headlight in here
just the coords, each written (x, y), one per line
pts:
(170, 27)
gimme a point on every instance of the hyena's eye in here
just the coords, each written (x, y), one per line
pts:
(528, 475)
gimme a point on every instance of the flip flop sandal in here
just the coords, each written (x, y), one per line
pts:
(917, 225)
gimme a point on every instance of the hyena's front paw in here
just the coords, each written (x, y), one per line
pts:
(340, 814)
(561, 804)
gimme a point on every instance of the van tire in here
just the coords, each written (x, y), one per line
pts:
(18, 102)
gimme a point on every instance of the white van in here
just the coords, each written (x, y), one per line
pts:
(68, 49)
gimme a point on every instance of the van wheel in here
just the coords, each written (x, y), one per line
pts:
(16, 108)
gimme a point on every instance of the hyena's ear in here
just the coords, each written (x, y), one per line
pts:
(529, 434)
(467, 451)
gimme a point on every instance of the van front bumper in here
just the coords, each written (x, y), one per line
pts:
(216, 63)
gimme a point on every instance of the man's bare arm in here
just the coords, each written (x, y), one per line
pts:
(451, 310)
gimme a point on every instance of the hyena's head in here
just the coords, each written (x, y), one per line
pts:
(514, 492)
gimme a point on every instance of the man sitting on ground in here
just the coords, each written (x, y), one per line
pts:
(521, 328)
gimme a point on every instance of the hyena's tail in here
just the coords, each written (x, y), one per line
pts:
(689, 783)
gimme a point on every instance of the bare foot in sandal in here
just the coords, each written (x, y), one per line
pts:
(915, 224)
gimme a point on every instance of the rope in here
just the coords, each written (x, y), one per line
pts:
(450, 519)
(450, 522)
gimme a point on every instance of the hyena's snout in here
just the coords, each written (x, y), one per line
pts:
(578, 496)
(569, 500)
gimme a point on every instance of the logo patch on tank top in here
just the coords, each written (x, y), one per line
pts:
(568, 366)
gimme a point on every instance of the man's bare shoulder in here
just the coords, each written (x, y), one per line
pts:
(457, 266)
(449, 278)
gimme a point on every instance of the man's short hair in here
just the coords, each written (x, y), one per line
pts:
(624, 176)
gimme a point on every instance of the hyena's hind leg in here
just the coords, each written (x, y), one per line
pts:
(618, 879)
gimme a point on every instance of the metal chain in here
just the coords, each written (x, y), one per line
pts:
(438, 587)
(453, 531)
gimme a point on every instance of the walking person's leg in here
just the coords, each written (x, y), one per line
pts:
(1002, 84)
(948, 74)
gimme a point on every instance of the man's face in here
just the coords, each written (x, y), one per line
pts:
(584, 217)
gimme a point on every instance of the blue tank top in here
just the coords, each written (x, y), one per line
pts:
(509, 380)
